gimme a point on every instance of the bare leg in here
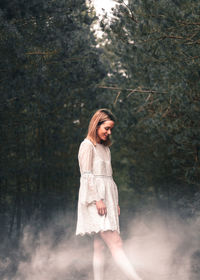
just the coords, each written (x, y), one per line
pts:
(114, 243)
(98, 258)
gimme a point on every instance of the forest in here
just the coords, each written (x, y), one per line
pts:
(56, 72)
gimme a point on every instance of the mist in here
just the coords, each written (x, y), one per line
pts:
(160, 246)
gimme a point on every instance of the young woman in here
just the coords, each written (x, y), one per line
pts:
(98, 208)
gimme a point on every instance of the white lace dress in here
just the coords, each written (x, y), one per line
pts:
(96, 183)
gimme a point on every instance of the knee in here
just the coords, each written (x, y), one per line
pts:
(114, 242)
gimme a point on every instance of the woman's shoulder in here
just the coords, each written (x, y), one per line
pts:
(86, 148)
(86, 143)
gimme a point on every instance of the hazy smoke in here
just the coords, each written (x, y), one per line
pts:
(160, 247)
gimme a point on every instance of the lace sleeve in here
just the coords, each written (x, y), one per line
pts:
(88, 192)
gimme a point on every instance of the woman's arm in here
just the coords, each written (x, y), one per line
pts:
(88, 190)
(118, 208)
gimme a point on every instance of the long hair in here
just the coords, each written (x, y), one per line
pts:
(97, 119)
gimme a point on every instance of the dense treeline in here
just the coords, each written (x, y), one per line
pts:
(49, 71)
(53, 77)
(153, 49)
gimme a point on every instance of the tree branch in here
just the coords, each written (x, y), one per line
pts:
(131, 12)
(130, 89)
(118, 94)
(41, 53)
(189, 23)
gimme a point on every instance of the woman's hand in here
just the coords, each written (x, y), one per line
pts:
(101, 207)
(118, 208)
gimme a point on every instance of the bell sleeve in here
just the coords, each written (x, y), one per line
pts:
(88, 192)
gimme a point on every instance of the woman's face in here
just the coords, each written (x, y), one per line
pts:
(104, 130)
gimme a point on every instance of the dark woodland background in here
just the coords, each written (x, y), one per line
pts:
(55, 73)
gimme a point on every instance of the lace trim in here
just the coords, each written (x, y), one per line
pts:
(96, 232)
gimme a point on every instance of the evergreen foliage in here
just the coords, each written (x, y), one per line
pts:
(53, 77)
(153, 48)
(49, 70)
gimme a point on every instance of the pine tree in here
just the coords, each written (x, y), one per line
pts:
(153, 48)
(50, 67)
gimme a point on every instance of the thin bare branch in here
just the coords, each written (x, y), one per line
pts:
(130, 93)
(189, 23)
(131, 12)
(41, 53)
(171, 37)
(148, 97)
(193, 43)
(131, 90)
(118, 94)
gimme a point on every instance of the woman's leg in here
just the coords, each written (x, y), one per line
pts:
(98, 258)
(114, 243)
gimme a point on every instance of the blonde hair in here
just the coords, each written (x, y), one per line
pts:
(98, 118)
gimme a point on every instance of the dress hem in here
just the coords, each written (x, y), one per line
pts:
(96, 232)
